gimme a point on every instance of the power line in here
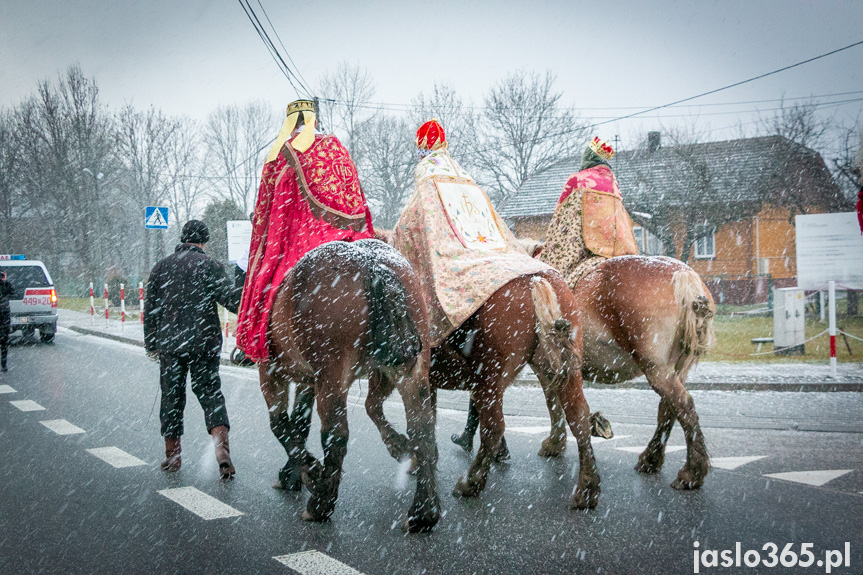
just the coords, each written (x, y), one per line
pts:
(288, 54)
(730, 85)
(271, 48)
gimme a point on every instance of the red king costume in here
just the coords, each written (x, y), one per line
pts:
(310, 194)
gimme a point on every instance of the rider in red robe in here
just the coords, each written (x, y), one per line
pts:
(310, 194)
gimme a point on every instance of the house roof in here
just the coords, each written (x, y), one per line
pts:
(739, 170)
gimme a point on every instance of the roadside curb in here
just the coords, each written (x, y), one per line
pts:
(693, 385)
(129, 340)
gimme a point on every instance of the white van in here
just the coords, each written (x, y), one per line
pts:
(34, 304)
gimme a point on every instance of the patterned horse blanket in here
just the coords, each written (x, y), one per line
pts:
(589, 225)
(463, 251)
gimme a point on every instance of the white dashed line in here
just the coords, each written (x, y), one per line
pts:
(200, 503)
(6, 389)
(636, 449)
(27, 405)
(530, 430)
(62, 427)
(116, 457)
(315, 563)
(601, 440)
(730, 463)
(816, 478)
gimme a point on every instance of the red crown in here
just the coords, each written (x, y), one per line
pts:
(430, 136)
(602, 149)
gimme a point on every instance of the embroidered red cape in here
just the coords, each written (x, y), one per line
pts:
(292, 219)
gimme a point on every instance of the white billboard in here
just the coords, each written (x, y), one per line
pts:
(829, 247)
(239, 238)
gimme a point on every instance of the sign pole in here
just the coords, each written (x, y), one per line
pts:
(141, 299)
(106, 305)
(122, 307)
(831, 288)
(92, 306)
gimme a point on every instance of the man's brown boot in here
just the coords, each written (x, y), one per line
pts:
(223, 451)
(172, 454)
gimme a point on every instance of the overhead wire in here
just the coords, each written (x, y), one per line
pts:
(288, 54)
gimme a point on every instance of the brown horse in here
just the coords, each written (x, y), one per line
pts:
(530, 320)
(651, 316)
(347, 309)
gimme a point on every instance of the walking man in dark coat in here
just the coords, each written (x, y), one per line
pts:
(6, 292)
(182, 329)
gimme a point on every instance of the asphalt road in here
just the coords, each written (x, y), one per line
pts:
(64, 510)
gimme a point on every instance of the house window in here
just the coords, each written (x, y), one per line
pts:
(705, 245)
(648, 244)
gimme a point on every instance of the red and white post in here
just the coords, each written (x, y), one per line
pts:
(141, 299)
(831, 327)
(106, 304)
(92, 305)
(122, 307)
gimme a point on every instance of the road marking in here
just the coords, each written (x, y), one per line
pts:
(315, 563)
(116, 457)
(6, 389)
(733, 462)
(636, 449)
(200, 503)
(530, 430)
(27, 405)
(61, 427)
(816, 478)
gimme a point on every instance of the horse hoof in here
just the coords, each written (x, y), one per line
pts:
(551, 448)
(421, 523)
(465, 488)
(686, 482)
(585, 499)
(316, 518)
(464, 441)
(646, 465)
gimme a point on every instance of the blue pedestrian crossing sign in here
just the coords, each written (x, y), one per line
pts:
(156, 218)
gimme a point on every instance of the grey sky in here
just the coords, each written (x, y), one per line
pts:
(188, 57)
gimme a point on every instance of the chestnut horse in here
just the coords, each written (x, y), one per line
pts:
(530, 320)
(651, 316)
(343, 310)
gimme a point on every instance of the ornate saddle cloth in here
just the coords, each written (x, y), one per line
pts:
(587, 228)
(458, 273)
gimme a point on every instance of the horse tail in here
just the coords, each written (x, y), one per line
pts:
(695, 322)
(553, 330)
(395, 339)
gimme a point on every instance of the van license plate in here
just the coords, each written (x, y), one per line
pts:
(24, 319)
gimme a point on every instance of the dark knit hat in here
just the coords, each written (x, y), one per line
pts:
(195, 232)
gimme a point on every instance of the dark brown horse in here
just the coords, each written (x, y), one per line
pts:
(651, 316)
(347, 309)
(530, 320)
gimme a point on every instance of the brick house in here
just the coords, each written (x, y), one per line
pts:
(726, 208)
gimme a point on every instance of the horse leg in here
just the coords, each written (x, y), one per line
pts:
(671, 389)
(586, 494)
(491, 429)
(300, 424)
(420, 413)
(276, 392)
(555, 444)
(651, 460)
(380, 387)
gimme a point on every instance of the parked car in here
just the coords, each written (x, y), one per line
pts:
(34, 303)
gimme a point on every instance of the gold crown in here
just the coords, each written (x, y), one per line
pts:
(300, 106)
(602, 149)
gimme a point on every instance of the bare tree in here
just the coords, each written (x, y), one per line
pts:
(388, 167)
(67, 139)
(456, 118)
(522, 130)
(144, 139)
(237, 139)
(188, 182)
(848, 163)
(13, 201)
(346, 95)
